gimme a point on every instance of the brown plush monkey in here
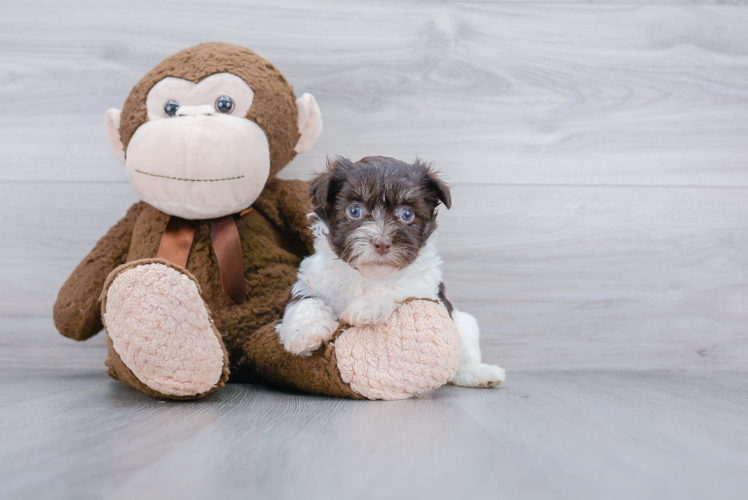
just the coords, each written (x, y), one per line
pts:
(190, 282)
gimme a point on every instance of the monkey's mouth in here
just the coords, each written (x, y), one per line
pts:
(189, 180)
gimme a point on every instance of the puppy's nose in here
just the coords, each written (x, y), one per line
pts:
(382, 245)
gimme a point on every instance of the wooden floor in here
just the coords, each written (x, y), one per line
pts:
(598, 157)
(564, 435)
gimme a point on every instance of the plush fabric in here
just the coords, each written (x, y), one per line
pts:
(173, 331)
(416, 350)
(274, 239)
(77, 311)
(267, 360)
(176, 166)
(273, 109)
(191, 96)
(111, 124)
(159, 327)
(310, 122)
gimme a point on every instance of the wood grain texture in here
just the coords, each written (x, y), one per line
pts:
(660, 436)
(559, 277)
(598, 155)
(494, 93)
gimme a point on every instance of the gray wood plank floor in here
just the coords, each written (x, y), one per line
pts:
(564, 435)
(598, 152)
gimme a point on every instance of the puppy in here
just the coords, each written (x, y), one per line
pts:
(374, 224)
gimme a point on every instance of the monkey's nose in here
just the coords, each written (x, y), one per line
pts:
(205, 109)
(382, 246)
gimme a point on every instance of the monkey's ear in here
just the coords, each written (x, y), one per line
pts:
(310, 122)
(111, 122)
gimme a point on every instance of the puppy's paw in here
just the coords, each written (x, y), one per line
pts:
(482, 376)
(305, 326)
(305, 342)
(368, 311)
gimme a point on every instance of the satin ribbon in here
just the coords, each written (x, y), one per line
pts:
(176, 243)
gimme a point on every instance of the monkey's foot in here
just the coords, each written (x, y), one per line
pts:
(162, 340)
(416, 350)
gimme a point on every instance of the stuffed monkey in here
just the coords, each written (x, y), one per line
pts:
(189, 284)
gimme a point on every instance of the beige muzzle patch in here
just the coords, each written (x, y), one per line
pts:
(199, 165)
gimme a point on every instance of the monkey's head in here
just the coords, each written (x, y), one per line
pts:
(203, 131)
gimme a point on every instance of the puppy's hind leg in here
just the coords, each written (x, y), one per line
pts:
(473, 373)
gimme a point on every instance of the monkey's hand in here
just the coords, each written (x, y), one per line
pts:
(306, 324)
(368, 311)
(77, 311)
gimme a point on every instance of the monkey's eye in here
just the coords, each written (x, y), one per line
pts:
(355, 212)
(406, 215)
(224, 104)
(171, 108)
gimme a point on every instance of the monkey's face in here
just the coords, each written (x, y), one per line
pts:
(202, 132)
(198, 156)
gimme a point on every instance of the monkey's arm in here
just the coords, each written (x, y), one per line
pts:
(77, 311)
(286, 204)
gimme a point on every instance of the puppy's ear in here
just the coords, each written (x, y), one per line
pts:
(436, 186)
(318, 188)
(324, 187)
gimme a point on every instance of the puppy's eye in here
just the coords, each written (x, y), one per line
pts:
(406, 215)
(171, 108)
(355, 212)
(224, 104)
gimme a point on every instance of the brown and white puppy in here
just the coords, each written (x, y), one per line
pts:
(375, 223)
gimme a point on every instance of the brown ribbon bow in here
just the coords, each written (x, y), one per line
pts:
(176, 243)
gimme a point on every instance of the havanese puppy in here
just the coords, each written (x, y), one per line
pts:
(374, 222)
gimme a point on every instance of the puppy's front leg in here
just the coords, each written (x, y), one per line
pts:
(305, 325)
(368, 310)
(473, 373)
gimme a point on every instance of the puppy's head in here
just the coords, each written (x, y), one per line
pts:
(379, 211)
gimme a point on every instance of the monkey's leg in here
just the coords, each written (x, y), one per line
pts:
(160, 335)
(416, 350)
